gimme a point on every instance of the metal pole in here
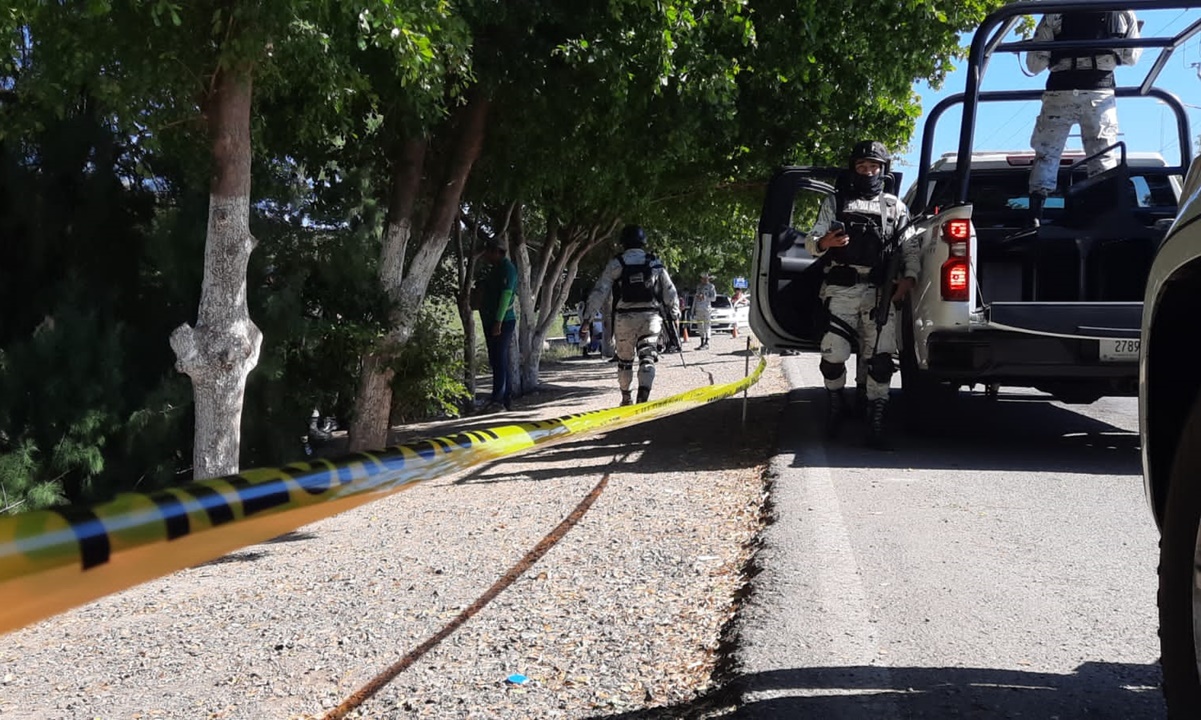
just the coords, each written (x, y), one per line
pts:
(746, 373)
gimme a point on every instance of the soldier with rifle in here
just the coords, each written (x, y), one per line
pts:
(640, 287)
(863, 238)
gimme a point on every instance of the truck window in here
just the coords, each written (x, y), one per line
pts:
(1154, 191)
(997, 196)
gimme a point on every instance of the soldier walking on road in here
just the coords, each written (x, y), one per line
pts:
(641, 290)
(856, 230)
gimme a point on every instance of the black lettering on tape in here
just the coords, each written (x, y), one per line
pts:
(345, 474)
(260, 496)
(371, 463)
(90, 533)
(316, 480)
(214, 504)
(393, 462)
(175, 516)
(426, 449)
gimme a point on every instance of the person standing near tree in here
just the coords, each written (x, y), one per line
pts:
(498, 318)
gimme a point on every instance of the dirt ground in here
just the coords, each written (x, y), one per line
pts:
(625, 615)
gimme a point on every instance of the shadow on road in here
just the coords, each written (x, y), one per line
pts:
(1096, 690)
(1013, 433)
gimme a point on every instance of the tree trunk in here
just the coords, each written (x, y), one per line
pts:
(373, 403)
(468, 260)
(552, 289)
(525, 296)
(221, 350)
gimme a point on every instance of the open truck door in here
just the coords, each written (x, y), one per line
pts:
(786, 312)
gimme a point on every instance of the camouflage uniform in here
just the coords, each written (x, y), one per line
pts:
(636, 325)
(1093, 109)
(854, 306)
(702, 308)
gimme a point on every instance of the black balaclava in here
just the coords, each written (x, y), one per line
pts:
(867, 186)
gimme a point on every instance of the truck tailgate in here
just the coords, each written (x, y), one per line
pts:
(1112, 320)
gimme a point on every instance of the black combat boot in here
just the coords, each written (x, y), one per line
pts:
(836, 412)
(1035, 217)
(876, 436)
(626, 399)
(644, 394)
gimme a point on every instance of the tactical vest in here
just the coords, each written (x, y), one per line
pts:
(637, 285)
(867, 236)
(1085, 26)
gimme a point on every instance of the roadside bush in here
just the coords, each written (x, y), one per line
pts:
(429, 369)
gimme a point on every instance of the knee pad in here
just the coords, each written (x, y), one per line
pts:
(831, 371)
(625, 364)
(880, 368)
(647, 353)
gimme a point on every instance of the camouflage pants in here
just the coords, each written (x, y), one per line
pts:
(1095, 111)
(635, 337)
(702, 314)
(854, 307)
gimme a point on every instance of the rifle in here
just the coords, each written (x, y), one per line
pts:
(672, 335)
(892, 269)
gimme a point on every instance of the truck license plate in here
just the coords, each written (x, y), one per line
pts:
(1119, 350)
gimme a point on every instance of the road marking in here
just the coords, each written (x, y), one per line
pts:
(809, 569)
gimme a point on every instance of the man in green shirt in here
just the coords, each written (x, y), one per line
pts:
(498, 320)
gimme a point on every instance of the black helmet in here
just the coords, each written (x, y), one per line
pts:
(870, 150)
(632, 236)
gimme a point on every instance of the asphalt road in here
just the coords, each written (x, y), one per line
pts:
(999, 564)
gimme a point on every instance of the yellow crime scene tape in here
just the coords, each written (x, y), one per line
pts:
(54, 560)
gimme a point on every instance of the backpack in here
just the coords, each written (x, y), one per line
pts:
(637, 283)
(1086, 26)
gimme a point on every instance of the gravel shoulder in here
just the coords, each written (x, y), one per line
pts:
(625, 617)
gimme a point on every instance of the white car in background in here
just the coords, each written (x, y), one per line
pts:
(724, 314)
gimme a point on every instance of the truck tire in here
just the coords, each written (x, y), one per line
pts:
(918, 390)
(1180, 576)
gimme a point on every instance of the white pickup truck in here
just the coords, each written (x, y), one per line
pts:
(1056, 308)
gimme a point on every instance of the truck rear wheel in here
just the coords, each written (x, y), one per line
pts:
(1180, 576)
(918, 390)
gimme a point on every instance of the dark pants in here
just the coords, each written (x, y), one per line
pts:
(498, 358)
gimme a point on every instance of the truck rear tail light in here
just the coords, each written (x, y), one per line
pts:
(956, 279)
(957, 231)
(956, 275)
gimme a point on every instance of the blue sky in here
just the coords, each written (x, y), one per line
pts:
(1145, 124)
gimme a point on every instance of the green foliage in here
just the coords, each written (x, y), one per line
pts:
(429, 368)
(70, 429)
(667, 113)
(20, 488)
(312, 294)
